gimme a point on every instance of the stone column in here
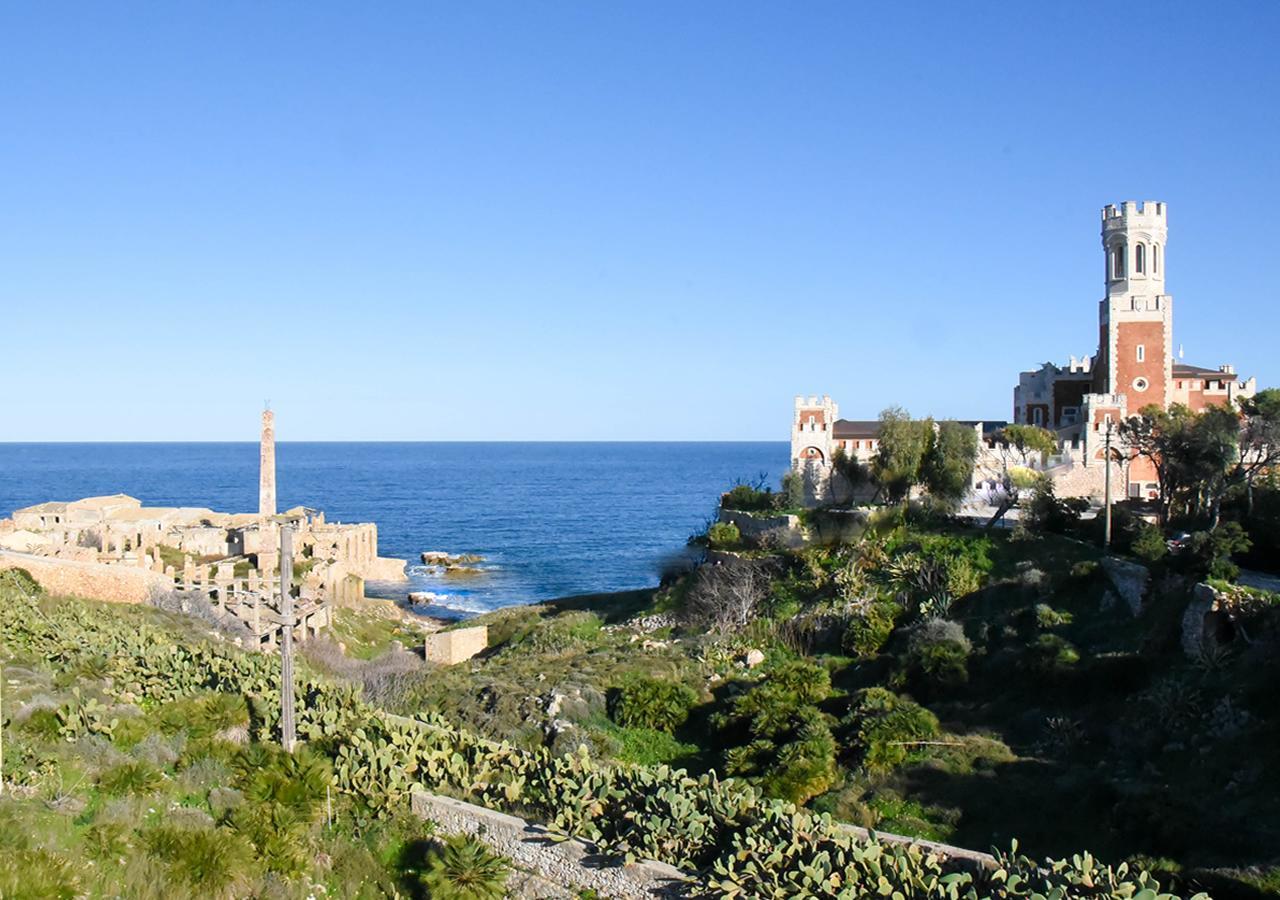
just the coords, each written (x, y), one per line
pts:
(267, 466)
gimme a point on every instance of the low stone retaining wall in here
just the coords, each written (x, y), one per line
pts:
(73, 578)
(571, 863)
(753, 526)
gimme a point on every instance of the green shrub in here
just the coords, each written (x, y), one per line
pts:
(1050, 654)
(869, 630)
(796, 769)
(1047, 617)
(211, 862)
(32, 874)
(880, 727)
(462, 867)
(566, 631)
(937, 657)
(723, 535)
(745, 498)
(642, 702)
(1086, 568)
(133, 777)
(1148, 543)
(22, 580)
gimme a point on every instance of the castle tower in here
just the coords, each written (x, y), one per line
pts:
(811, 431)
(1135, 347)
(267, 466)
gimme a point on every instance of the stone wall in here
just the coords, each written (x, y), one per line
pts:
(571, 863)
(72, 578)
(755, 525)
(384, 568)
(458, 645)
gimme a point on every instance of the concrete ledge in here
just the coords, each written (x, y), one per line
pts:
(568, 862)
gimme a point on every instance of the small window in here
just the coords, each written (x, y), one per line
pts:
(1039, 416)
(1142, 353)
(1117, 261)
(1140, 384)
(1155, 259)
(1139, 258)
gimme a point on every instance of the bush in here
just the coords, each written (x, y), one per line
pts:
(722, 535)
(133, 777)
(1148, 543)
(1050, 654)
(566, 631)
(937, 657)
(643, 702)
(880, 727)
(463, 867)
(745, 498)
(869, 630)
(211, 862)
(1207, 554)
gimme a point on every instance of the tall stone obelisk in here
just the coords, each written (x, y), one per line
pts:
(267, 466)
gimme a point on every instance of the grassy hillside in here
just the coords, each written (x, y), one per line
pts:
(938, 682)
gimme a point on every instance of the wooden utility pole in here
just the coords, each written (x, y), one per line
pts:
(1106, 524)
(287, 726)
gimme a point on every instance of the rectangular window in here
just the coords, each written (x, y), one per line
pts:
(1142, 353)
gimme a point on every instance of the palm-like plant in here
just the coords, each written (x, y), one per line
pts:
(462, 867)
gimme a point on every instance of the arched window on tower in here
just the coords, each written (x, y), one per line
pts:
(1117, 261)
(1139, 259)
(1155, 259)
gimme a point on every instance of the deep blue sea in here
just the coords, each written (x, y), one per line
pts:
(551, 519)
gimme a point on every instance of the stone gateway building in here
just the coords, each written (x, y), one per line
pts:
(1134, 367)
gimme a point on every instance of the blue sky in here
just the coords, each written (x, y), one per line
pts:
(592, 220)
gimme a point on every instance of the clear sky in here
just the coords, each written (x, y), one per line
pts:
(606, 220)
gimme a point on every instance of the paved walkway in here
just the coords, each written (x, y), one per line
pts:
(1263, 580)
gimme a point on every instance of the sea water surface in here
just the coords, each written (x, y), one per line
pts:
(550, 519)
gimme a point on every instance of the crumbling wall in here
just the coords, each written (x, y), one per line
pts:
(459, 645)
(73, 578)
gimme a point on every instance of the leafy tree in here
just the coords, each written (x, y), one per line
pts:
(1192, 455)
(947, 468)
(904, 442)
(1259, 441)
(1016, 448)
(847, 475)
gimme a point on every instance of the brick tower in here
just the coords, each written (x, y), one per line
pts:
(1135, 346)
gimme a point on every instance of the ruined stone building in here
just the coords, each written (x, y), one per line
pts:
(114, 548)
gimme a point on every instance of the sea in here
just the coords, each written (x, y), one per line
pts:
(549, 519)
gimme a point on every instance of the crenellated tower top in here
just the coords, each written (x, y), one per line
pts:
(1134, 235)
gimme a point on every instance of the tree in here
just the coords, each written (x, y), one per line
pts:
(901, 452)
(725, 597)
(1259, 441)
(947, 468)
(1192, 455)
(1010, 465)
(847, 474)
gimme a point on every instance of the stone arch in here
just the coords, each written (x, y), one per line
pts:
(812, 453)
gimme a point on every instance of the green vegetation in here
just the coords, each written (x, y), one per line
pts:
(929, 679)
(911, 675)
(463, 868)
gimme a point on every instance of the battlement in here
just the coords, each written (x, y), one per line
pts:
(812, 402)
(1114, 217)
